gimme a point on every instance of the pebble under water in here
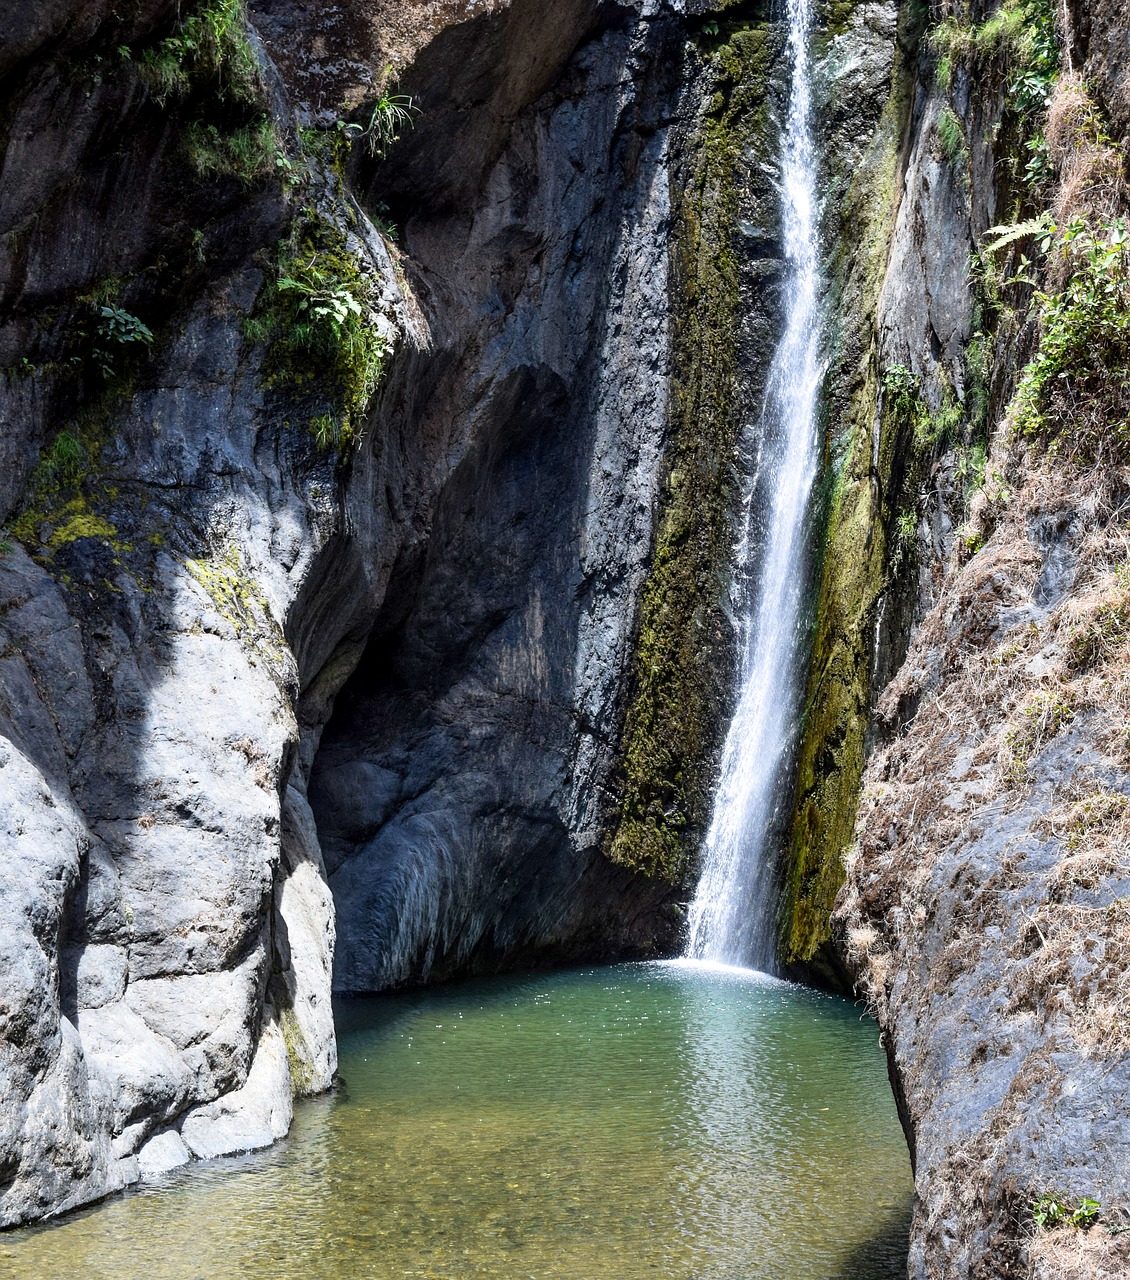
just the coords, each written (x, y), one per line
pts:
(661, 1120)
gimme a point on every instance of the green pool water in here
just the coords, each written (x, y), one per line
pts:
(639, 1121)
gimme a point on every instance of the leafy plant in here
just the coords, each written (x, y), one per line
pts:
(1056, 1209)
(1038, 167)
(325, 347)
(970, 469)
(1051, 1210)
(321, 296)
(1005, 235)
(1077, 385)
(1017, 43)
(210, 42)
(392, 112)
(906, 535)
(901, 386)
(117, 329)
(1085, 1212)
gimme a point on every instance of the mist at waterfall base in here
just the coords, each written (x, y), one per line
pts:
(733, 918)
(638, 1121)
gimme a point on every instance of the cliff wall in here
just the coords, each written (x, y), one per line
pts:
(247, 441)
(377, 380)
(335, 469)
(986, 873)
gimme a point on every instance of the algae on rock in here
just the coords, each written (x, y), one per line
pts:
(685, 651)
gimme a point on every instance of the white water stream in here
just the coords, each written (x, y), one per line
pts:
(733, 916)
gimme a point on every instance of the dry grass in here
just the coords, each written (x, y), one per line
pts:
(990, 682)
(1066, 1254)
(1089, 165)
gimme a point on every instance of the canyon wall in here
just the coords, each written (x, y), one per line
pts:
(368, 506)
(983, 910)
(247, 442)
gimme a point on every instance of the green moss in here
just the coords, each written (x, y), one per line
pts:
(329, 147)
(861, 535)
(75, 520)
(837, 17)
(66, 497)
(682, 660)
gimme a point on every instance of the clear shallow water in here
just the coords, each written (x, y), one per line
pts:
(607, 1124)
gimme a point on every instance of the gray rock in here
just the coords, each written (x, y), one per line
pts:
(162, 1153)
(248, 1118)
(305, 933)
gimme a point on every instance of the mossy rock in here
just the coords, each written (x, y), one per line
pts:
(684, 655)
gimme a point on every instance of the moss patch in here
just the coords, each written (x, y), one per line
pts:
(67, 497)
(684, 651)
(860, 534)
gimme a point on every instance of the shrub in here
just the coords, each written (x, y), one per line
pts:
(117, 331)
(1017, 42)
(1077, 386)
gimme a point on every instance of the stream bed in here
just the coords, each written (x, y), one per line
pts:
(654, 1120)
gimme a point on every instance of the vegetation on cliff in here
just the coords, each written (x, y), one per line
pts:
(325, 346)
(684, 650)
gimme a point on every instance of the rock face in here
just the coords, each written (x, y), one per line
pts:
(986, 876)
(364, 599)
(214, 521)
(459, 786)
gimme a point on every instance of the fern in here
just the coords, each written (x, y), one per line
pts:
(1010, 233)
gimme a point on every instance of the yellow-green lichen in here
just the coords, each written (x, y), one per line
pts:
(302, 1076)
(240, 601)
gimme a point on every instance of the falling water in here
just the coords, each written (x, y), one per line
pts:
(732, 918)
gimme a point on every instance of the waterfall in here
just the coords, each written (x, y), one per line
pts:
(733, 916)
